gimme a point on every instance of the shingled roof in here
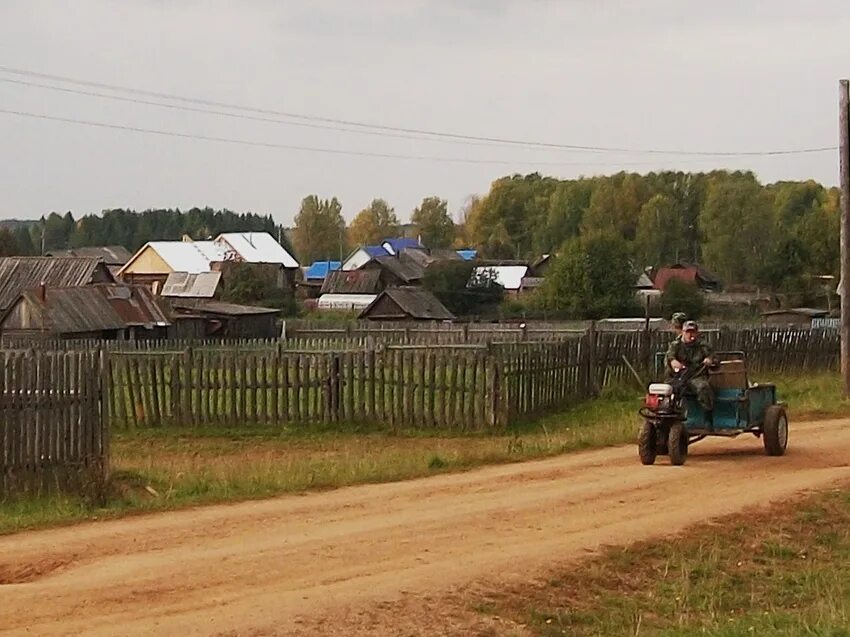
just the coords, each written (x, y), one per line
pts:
(18, 274)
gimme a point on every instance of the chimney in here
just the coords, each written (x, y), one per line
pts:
(42, 292)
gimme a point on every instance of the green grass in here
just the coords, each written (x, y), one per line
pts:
(780, 572)
(164, 468)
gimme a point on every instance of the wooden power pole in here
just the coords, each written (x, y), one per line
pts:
(844, 182)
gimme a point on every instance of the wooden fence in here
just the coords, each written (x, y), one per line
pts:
(53, 433)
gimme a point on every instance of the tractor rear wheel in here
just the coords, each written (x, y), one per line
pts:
(775, 431)
(677, 444)
(646, 443)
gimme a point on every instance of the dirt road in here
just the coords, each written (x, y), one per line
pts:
(267, 567)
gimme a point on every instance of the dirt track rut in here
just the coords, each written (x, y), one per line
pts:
(259, 568)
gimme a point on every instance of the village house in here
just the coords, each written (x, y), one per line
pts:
(115, 257)
(103, 311)
(406, 304)
(18, 274)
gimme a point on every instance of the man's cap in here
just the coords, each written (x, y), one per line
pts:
(679, 318)
(690, 326)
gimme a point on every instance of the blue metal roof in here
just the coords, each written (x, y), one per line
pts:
(376, 251)
(468, 255)
(320, 269)
(400, 243)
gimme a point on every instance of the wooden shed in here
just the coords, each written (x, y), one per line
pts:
(406, 303)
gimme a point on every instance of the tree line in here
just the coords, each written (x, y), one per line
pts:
(778, 236)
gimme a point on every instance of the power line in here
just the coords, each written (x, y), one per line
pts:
(256, 118)
(416, 131)
(314, 149)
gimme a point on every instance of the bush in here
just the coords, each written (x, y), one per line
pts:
(453, 283)
(680, 296)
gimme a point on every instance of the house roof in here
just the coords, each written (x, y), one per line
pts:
(396, 245)
(508, 276)
(411, 302)
(110, 255)
(257, 247)
(95, 308)
(185, 256)
(375, 251)
(467, 255)
(208, 306)
(18, 274)
(320, 269)
(644, 282)
(403, 267)
(352, 282)
(689, 273)
(201, 285)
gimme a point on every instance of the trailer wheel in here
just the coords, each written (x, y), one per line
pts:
(646, 443)
(775, 430)
(677, 444)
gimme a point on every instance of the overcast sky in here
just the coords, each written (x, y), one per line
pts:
(725, 75)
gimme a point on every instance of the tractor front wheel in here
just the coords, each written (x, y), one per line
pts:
(677, 444)
(775, 431)
(646, 443)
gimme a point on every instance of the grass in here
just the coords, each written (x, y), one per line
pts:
(165, 468)
(782, 572)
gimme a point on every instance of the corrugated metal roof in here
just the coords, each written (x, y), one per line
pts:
(320, 269)
(407, 302)
(352, 282)
(257, 247)
(508, 276)
(111, 255)
(94, 308)
(200, 286)
(375, 251)
(18, 274)
(188, 256)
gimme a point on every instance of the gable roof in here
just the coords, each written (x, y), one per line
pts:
(320, 269)
(686, 272)
(18, 274)
(200, 285)
(352, 282)
(404, 268)
(184, 256)
(396, 245)
(110, 255)
(375, 251)
(407, 302)
(94, 308)
(256, 247)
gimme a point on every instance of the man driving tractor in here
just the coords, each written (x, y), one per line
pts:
(689, 352)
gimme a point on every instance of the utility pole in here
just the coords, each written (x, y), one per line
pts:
(844, 182)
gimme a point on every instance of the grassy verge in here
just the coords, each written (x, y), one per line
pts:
(159, 469)
(781, 572)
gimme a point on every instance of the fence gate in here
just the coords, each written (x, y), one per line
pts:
(52, 427)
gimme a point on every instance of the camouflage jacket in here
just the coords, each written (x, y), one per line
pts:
(690, 354)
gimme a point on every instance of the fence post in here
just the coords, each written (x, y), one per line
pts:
(188, 364)
(591, 336)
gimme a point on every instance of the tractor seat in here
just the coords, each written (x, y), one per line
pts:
(730, 374)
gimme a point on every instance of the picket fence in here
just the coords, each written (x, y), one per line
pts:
(53, 433)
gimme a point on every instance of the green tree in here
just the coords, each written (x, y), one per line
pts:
(660, 238)
(247, 284)
(591, 278)
(8, 243)
(433, 223)
(24, 240)
(567, 205)
(738, 226)
(615, 205)
(681, 296)
(319, 230)
(460, 289)
(373, 224)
